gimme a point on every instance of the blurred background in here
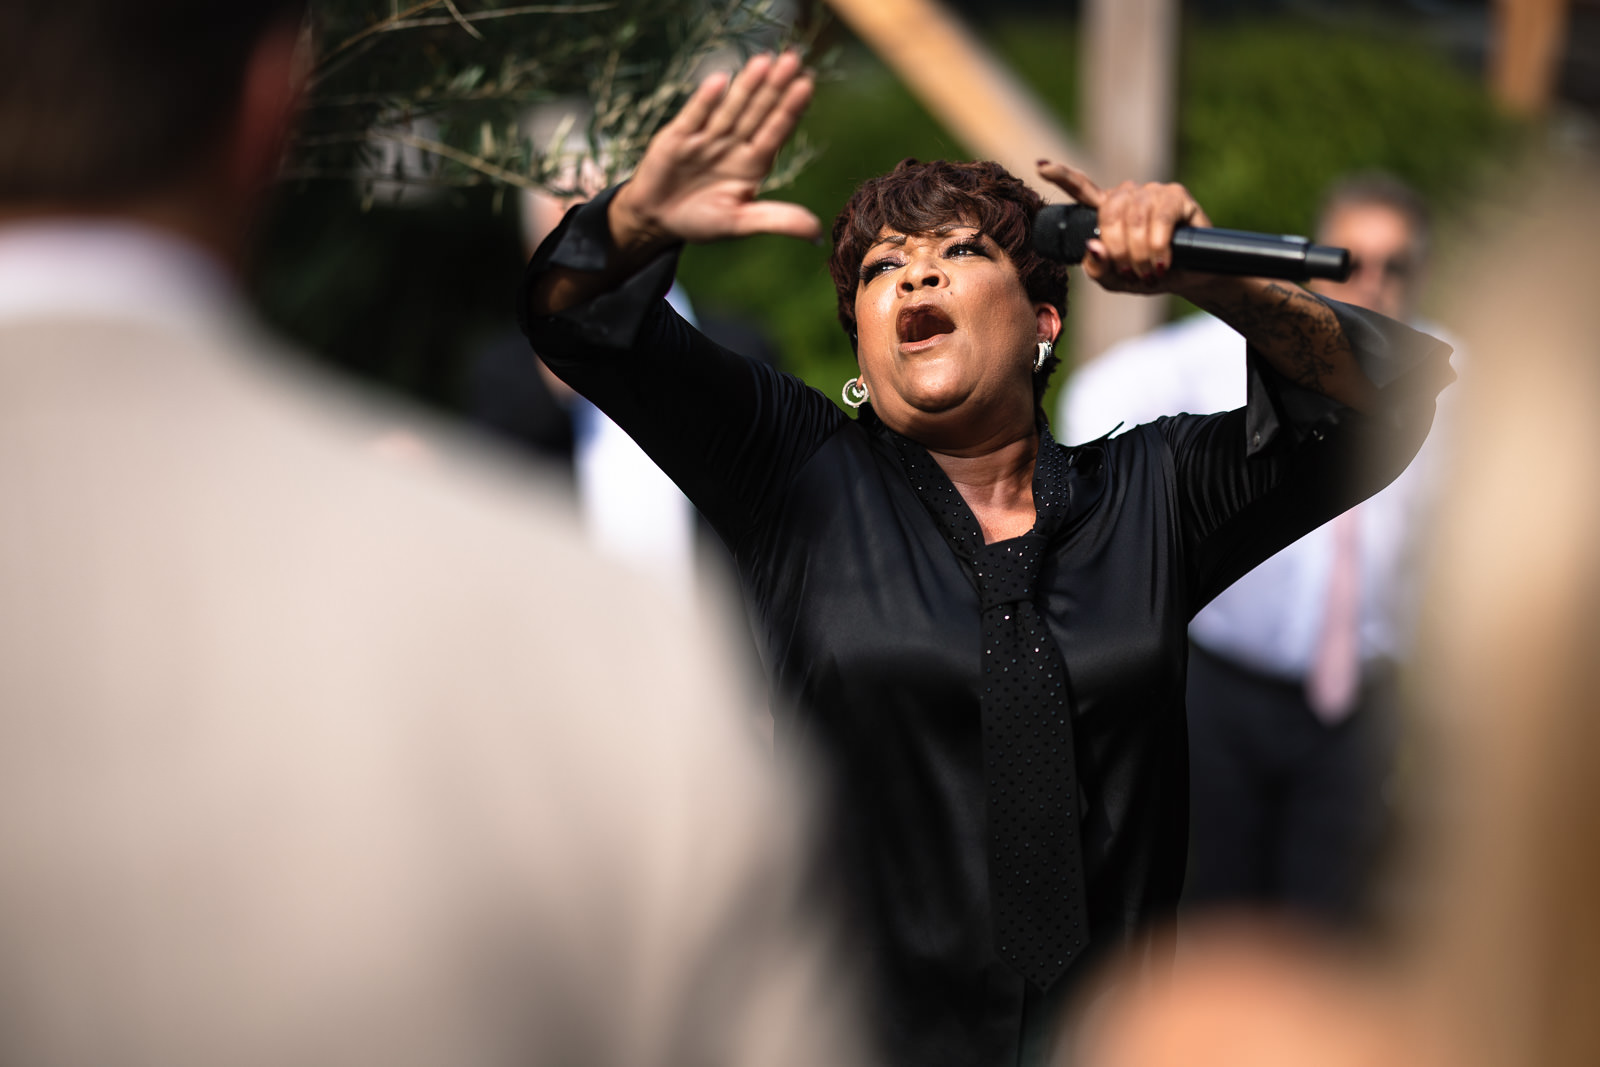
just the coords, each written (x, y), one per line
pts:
(1254, 104)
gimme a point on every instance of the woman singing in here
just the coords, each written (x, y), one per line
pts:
(978, 632)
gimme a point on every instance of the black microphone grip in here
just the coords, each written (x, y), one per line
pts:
(1062, 232)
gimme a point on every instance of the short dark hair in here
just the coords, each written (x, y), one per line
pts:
(1385, 190)
(105, 98)
(919, 198)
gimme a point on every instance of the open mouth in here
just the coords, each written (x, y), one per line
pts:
(920, 322)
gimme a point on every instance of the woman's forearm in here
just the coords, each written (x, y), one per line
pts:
(1295, 332)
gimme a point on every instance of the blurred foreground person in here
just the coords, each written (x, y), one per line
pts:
(1293, 670)
(306, 758)
(1500, 964)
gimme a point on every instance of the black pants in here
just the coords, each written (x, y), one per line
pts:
(1286, 812)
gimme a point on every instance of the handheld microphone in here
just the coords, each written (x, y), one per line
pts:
(1062, 232)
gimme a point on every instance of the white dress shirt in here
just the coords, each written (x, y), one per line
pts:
(1270, 619)
(634, 512)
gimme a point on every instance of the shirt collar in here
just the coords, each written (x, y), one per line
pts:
(92, 268)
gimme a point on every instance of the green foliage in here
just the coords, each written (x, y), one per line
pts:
(1271, 111)
(1268, 113)
(405, 294)
(454, 80)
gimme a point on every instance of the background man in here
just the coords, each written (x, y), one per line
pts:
(306, 757)
(1291, 673)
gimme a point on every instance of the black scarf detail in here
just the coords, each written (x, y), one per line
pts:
(1036, 875)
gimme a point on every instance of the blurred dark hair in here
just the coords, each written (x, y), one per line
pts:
(1384, 190)
(105, 98)
(919, 198)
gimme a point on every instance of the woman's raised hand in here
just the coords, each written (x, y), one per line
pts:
(1134, 250)
(700, 173)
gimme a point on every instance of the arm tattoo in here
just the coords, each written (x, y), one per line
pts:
(1296, 332)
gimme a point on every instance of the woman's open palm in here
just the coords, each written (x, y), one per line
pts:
(700, 173)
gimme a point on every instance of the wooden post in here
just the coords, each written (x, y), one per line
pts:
(1528, 40)
(1129, 65)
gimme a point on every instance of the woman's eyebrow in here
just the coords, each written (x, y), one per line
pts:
(898, 239)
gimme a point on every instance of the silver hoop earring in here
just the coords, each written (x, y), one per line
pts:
(855, 392)
(1045, 348)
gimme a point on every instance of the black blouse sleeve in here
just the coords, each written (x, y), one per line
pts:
(1250, 482)
(731, 432)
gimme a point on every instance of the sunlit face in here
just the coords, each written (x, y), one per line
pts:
(1383, 249)
(947, 335)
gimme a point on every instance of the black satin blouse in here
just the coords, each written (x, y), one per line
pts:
(868, 621)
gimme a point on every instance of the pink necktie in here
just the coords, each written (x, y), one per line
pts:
(1335, 676)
